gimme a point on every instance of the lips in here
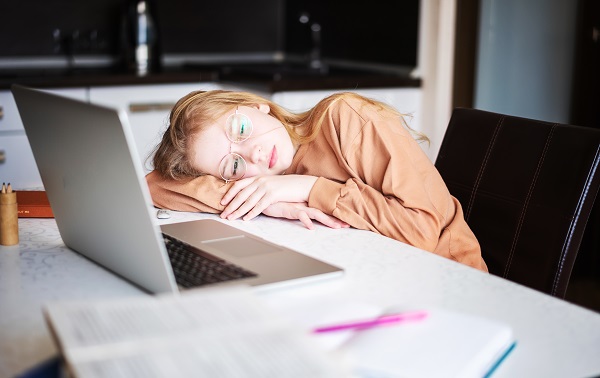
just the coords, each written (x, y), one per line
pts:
(273, 158)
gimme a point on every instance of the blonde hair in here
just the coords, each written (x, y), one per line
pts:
(198, 109)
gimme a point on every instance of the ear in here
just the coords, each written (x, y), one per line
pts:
(265, 108)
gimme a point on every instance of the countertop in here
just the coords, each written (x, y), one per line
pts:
(268, 77)
(554, 338)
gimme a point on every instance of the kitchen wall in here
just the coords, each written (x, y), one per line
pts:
(380, 32)
(55, 28)
(375, 31)
(30, 28)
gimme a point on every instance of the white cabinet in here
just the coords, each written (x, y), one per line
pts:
(147, 108)
(17, 164)
(405, 100)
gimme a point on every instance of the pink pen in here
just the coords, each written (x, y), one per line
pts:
(375, 322)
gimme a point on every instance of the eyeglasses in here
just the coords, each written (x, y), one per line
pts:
(238, 128)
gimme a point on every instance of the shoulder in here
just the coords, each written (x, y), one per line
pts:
(344, 116)
(358, 108)
(359, 114)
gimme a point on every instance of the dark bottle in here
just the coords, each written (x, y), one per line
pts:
(140, 38)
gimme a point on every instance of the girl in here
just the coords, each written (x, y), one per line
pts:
(348, 161)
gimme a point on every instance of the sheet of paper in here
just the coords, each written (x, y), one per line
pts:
(252, 354)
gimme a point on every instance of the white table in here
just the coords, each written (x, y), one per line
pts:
(555, 338)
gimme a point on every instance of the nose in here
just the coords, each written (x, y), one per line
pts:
(255, 154)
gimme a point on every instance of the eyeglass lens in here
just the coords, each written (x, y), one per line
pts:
(233, 167)
(238, 127)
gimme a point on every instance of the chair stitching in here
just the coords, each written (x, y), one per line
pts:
(483, 166)
(584, 194)
(527, 199)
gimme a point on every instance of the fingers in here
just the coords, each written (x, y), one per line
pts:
(252, 205)
(307, 214)
(238, 203)
(330, 221)
(237, 187)
(248, 208)
(305, 219)
(248, 203)
(249, 197)
(255, 210)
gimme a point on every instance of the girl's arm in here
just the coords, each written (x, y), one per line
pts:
(205, 194)
(199, 194)
(414, 222)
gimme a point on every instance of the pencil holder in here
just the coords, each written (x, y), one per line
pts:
(9, 218)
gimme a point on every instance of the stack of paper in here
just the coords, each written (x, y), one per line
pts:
(203, 333)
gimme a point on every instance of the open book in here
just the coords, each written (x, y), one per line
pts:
(221, 332)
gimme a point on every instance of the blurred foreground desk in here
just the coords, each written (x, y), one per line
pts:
(554, 338)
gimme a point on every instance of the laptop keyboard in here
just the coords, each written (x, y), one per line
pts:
(193, 267)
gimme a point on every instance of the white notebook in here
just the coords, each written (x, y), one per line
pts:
(444, 344)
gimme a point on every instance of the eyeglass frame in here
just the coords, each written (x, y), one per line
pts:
(241, 141)
(231, 153)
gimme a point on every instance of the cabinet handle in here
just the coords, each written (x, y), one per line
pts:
(1, 112)
(150, 106)
(2, 157)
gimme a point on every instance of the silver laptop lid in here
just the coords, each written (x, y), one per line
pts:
(95, 183)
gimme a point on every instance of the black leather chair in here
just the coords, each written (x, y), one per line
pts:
(527, 188)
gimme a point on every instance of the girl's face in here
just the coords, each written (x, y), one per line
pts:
(268, 151)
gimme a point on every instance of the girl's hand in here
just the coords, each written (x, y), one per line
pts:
(300, 211)
(249, 197)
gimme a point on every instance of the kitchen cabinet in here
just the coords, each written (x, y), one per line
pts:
(147, 108)
(405, 100)
(17, 164)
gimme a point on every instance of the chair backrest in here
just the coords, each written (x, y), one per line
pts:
(527, 188)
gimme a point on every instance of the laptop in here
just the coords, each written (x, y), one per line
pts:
(89, 164)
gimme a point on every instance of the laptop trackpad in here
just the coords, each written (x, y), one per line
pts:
(240, 247)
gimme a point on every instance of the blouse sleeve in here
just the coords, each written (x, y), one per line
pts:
(198, 194)
(394, 189)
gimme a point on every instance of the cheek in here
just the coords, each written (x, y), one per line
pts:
(252, 171)
(287, 153)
